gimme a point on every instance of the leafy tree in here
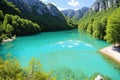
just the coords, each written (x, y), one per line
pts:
(1, 16)
(1, 22)
(96, 23)
(97, 29)
(10, 70)
(113, 28)
(34, 71)
(90, 29)
(9, 30)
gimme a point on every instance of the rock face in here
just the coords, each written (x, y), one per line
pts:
(104, 5)
(76, 14)
(69, 13)
(54, 11)
(21, 5)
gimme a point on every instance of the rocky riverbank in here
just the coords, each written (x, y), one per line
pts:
(8, 40)
(112, 52)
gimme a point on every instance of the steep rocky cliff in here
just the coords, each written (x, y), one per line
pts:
(68, 13)
(75, 14)
(104, 5)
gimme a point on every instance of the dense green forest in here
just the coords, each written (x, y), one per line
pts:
(102, 25)
(14, 25)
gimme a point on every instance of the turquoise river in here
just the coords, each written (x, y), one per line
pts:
(76, 51)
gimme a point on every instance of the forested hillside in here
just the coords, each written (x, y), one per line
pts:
(104, 24)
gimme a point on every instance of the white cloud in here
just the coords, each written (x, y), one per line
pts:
(43, 0)
(73, 3)
(60, 8)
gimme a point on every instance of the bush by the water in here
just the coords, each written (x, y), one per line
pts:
(10, 70)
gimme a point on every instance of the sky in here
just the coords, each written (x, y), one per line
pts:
(70, 4)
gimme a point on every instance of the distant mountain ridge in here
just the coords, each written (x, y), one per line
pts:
(75, 14)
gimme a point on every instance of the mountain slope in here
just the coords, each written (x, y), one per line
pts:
(47, 16)
(97, 20)
(75, 14)
(8, 7)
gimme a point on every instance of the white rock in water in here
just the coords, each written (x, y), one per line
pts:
(99, 78)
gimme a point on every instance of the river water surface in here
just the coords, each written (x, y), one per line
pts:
(71, 49)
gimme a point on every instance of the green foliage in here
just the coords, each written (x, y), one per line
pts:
(98, 29)
(15, 25)
(34, 71)
(48, 22)
(113, 27)
(67, 74)
(90, 29)
(1, 16)
(8, 8)
(102, 24)
(71, 23)
(11, 70)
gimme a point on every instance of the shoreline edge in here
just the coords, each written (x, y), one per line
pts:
(111, 52)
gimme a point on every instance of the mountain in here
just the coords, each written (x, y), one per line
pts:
(46, 15)
(104, 5)
(68, 13)
(75, 14)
